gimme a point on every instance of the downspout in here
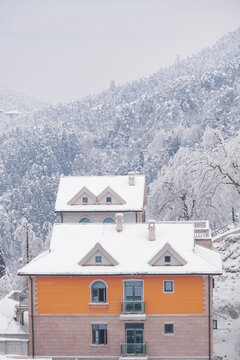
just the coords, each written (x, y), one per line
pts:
(32, 322)
(209, 320)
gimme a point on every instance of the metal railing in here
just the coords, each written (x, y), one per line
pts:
(133, 349)
(132, 307)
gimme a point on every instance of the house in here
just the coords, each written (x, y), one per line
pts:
(123, 290)
(13, 325)
(88, 199)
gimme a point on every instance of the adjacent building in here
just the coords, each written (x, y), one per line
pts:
(126, 289)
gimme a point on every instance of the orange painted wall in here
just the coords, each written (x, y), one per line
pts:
(71, 295)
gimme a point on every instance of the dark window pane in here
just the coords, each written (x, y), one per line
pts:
(98, 259)
(84, 221)
(108, 221)
(168, 328)
(168, 286)
(167, 259)
(102, 295)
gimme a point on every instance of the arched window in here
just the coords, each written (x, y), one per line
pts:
(108, 221)
(98, 292)
(85, 221)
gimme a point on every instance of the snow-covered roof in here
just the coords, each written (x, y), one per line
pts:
(8, 325)
(130, 248)
(70, 186)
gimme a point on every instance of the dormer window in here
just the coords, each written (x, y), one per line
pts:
(98, 259)
(167, 259)
(108, 199)
(85, 199)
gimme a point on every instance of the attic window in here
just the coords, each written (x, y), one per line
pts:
(108, 199)
(85, 200)
(167, 259)
(98, 259)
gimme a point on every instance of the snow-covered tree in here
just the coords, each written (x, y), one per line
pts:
(31, 244)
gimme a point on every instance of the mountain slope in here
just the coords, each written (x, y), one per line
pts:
(139, 126)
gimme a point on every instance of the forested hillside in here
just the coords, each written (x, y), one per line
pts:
(139, 127)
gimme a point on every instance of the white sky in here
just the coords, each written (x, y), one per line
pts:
(62, 50)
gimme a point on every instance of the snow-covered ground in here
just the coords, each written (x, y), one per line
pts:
(227, 301)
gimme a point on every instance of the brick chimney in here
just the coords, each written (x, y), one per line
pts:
(119, 221)
(131, 178)
(151, 228)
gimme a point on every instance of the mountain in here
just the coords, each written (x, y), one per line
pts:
(139, 127)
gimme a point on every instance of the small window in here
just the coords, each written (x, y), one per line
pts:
(85, 200)
(214, 324)
(98, 292)
(108, 199)
(168, 286)
(98, 259)
(85, 221)
(168, 329)
(108, 221)
(167, 259)
(99, 334)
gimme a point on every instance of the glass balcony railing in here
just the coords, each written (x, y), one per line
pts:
(132, 307)
(133, 349)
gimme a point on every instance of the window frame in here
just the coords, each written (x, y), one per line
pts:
(91, 293)
(126, 280)
(97, 330)
(167, 291)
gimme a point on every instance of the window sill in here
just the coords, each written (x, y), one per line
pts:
(136, 317)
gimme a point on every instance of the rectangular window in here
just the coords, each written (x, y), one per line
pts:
(99, 334)
(168, 286)
(215, 324)
(168, 329)
(167, 259)
(133, 290)
(85, 200)
(98, 259)
(108, 199)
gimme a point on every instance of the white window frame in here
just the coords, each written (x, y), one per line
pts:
(168, 292)
(133, 280)
(101, 302)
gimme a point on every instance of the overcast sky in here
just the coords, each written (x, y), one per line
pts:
(62, 50)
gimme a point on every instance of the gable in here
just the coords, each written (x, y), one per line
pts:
(167, 251)
(109, 192)
(98, 251)
(78, 198)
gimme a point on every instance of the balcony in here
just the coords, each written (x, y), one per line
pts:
(132, 307)
(133, 350)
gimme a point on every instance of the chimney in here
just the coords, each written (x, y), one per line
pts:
(119, 221)
(151, 228)
(131, 178)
